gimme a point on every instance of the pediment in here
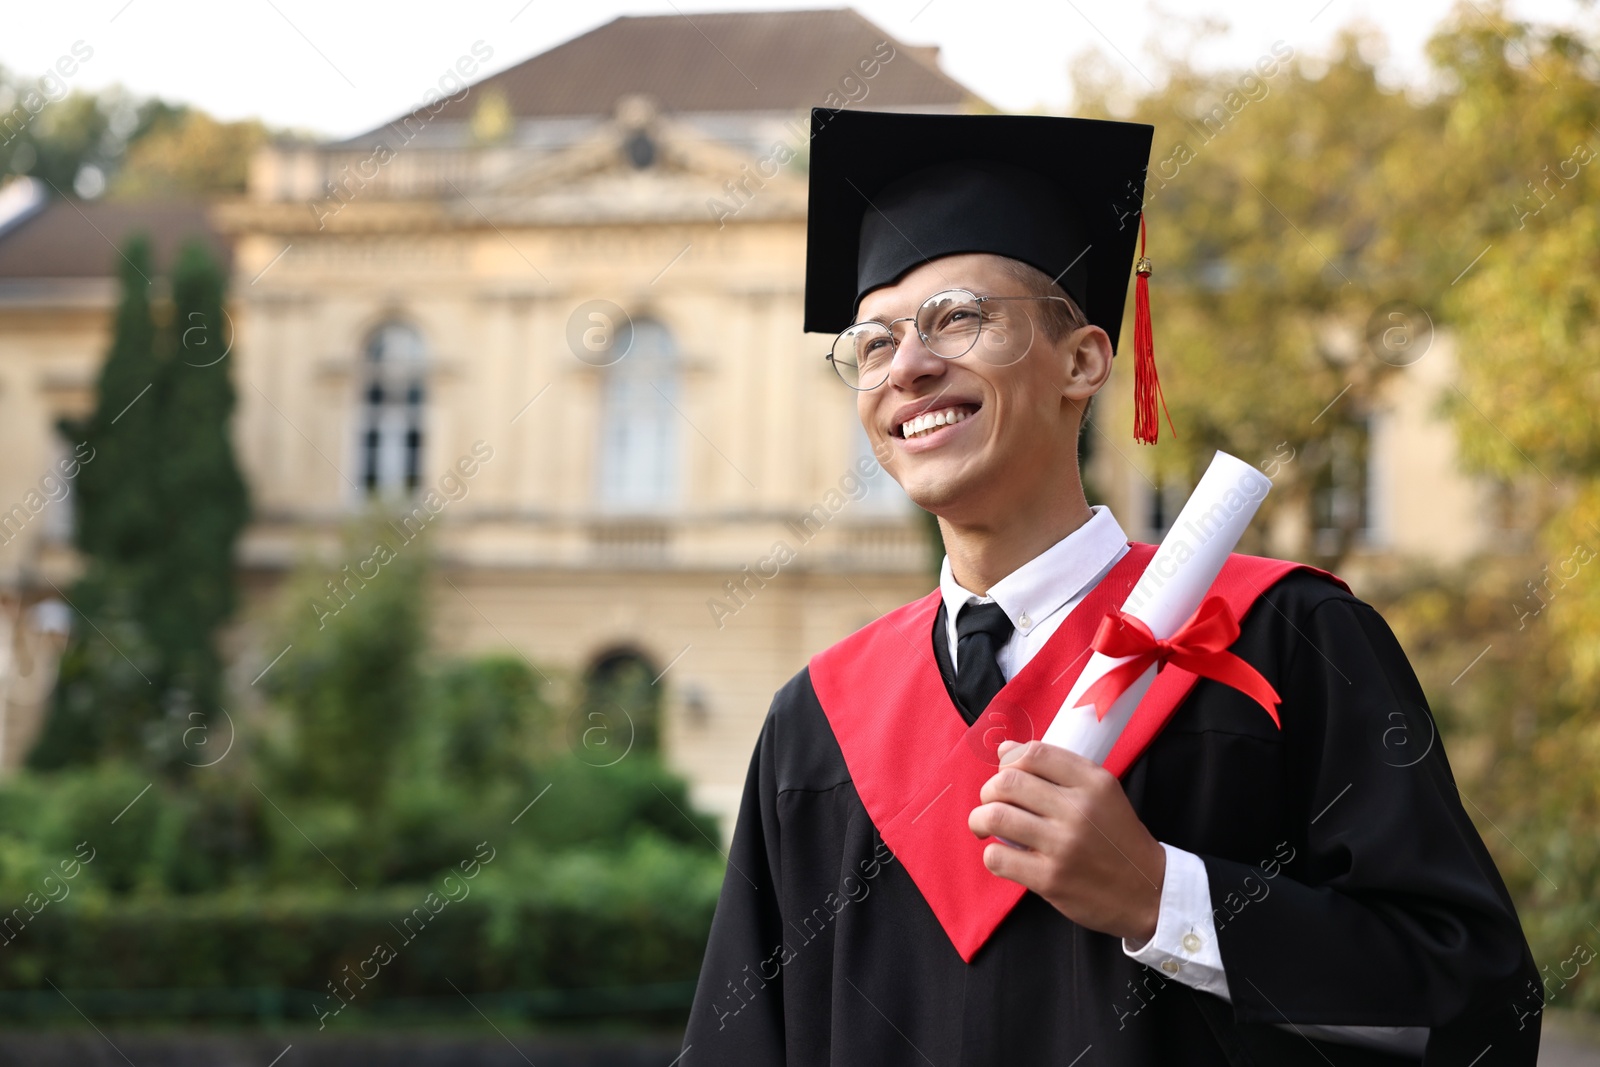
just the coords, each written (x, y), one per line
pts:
(652, 170)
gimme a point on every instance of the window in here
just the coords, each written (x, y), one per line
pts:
(61, 489)
(621, 706)
(391, 416)
(638, 470)
(1342, 489)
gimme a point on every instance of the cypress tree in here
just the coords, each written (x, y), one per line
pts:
(161, 503)
(109, 681)
(203, 498)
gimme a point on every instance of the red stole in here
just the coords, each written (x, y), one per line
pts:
(918, 766)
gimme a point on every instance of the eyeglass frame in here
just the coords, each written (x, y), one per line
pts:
(889, 327)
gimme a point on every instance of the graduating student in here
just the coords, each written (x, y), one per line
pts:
(909, 884)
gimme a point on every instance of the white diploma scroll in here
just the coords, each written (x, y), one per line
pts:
(1171, 588)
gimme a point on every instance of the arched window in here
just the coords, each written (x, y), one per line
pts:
(391, 410)
(638, 469)
(622, 704)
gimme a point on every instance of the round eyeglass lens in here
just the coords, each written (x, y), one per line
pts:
(948, 322)
(862, 353)
(952, 323)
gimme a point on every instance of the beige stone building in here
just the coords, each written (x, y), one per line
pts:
(581, 280)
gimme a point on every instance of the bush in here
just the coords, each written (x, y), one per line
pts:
(589, 921)
(434, 810)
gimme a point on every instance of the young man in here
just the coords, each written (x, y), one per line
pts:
(914, 878)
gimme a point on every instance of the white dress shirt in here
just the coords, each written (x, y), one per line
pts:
(1037, 597)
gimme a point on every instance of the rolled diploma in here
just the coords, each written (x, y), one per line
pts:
(1171, 588)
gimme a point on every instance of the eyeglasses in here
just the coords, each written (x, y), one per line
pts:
(949, 324)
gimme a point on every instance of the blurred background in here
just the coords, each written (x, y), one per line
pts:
(412, 494)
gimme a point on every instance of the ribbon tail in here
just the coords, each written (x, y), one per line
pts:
(1104, 692)
(1232, 671)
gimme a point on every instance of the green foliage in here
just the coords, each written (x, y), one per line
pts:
(139, 146)
(198, 485)
(436, 807)
(622, 701)
(587, 804)
(351, 682)
(160, 504)
(186, 151)
(1287, 206)
(1280, 226)
(105, 692)
(1270, 219)
(631, 917)
(1520, 134)
(104, 695)
(119, 508)
(490, 716)
(55, 141)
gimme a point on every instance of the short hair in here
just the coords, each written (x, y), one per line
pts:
(1058, 319)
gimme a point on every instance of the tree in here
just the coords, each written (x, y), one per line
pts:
(1269, 215)
(140, 147)
(490, 720)
(203, 495)
(351, 681)
(1520, 164)
(161, 504)
(106, 686)
(1287, 211)
(189, 153)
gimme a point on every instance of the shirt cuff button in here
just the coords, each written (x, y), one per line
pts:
(1191, 942)
(1170, 966)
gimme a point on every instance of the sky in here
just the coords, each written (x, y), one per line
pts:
(338, 67)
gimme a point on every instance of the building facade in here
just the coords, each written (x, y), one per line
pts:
(555, 313)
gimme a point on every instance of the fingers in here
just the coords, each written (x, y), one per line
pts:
(1032, 870)
(1012, 785)
(1048, 781)
(1044, 797)
(1017, 825)
(1082, 847)
(1051, 762)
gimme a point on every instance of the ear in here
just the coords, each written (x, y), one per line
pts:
(1086, 362)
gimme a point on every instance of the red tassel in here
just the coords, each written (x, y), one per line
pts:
(1146, 386)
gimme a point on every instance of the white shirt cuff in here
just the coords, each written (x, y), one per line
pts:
(1184, 947)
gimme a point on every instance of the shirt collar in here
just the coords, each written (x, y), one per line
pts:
(1042, 586)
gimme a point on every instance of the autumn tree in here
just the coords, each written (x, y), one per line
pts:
(1517, 173)
(1269, 211)
(1293, 210)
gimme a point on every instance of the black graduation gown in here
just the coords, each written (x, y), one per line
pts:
(1348, 883)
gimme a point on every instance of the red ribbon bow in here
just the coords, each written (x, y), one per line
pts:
(1200, 646)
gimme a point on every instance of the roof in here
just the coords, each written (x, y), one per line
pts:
(768, 61)
(68, 238)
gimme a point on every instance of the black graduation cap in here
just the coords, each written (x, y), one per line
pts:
(889, 191)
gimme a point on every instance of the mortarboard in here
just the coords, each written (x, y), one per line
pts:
(889, 191)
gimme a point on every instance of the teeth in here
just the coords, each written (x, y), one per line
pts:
(931, 421)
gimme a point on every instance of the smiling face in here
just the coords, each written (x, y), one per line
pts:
(993, 433)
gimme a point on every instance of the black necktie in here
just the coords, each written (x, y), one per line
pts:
(980, 631)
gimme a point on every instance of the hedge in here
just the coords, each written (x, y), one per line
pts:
(620, 933)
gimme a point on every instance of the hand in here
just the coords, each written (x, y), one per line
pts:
(1082, 846)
